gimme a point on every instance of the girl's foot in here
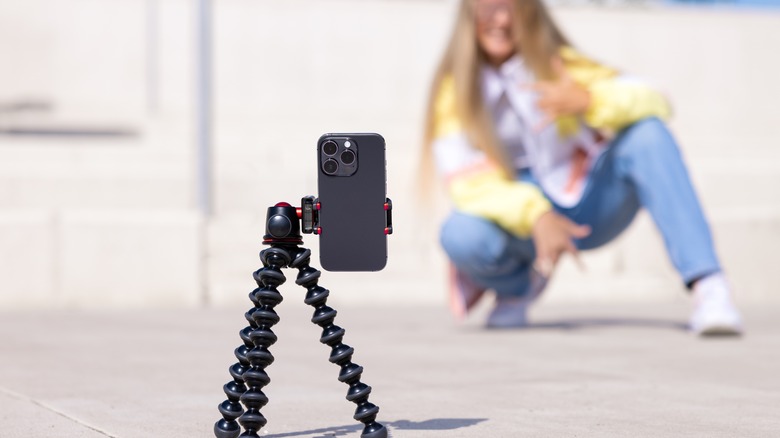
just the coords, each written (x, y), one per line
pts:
(715, 313)
(512, 312)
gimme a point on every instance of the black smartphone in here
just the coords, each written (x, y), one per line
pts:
(352, 186)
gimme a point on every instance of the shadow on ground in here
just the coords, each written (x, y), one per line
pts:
(433, 424)
(594, 323)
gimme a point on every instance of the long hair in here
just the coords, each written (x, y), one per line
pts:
(537, 38)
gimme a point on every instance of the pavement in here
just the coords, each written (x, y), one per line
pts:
(578, 371)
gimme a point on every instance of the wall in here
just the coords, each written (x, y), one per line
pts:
(103, 221)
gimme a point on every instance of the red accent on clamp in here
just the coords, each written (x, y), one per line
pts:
(388, 216)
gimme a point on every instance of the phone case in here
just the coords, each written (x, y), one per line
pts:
(352, 213)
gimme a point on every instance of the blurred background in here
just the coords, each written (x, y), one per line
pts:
(141, 141)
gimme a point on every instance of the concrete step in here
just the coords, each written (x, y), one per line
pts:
(100, 258)
(634, 268)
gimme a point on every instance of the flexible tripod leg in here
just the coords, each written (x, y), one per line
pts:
(341, 354)
(231, 408)
(254, 356)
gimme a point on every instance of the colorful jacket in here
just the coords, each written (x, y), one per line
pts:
(559, 156)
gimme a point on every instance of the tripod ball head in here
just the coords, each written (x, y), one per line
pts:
(279, 225)
(282, 225)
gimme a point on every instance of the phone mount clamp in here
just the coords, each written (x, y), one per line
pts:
(283, 234)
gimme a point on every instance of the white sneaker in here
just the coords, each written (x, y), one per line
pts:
(512, 312)
(715, 313)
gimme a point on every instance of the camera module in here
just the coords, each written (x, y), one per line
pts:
(330, 147)
(330, 166)
(347, 157)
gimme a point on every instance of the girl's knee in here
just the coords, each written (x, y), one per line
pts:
(646, 136)
(648, 126)
(461, 235)
(473, 243)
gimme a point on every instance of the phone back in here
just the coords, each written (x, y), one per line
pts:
(352, 193)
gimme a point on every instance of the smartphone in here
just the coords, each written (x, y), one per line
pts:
(352, 190)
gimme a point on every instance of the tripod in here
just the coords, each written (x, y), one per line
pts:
(283, 234)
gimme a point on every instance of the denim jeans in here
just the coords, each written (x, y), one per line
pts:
(642, 167)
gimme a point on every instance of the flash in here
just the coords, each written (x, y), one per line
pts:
(347, 144)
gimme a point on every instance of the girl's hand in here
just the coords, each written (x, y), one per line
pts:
(552, 235)
(560, 97)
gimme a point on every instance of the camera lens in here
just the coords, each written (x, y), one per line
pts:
(347, 157)
(330, 147)
(330, 166)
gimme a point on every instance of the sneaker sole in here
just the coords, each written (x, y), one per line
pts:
(716, 331)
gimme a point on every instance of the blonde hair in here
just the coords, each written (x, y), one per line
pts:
(536, 36)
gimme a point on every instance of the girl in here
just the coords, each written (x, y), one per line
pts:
(546, 152)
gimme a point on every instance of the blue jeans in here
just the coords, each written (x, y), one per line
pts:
(641, 168)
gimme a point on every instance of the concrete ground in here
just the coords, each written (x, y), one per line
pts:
(586, 371)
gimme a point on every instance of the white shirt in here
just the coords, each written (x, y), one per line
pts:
(516, 116)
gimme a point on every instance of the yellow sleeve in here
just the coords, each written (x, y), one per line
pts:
(616, 102)
(513, 205)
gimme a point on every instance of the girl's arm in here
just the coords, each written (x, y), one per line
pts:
(476, 185)
(616, 101)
